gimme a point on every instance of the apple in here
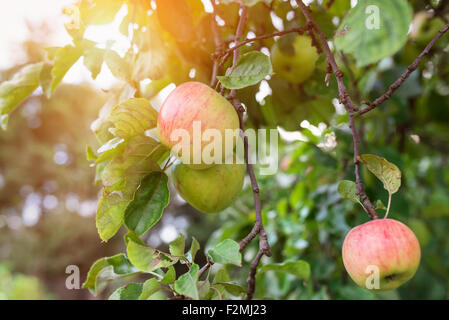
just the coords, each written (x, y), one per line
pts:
(195, 107)
(209, 190)
(298, 65)
(385, 250)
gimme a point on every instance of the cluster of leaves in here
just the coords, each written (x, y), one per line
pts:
(304, 216)
(141, 258)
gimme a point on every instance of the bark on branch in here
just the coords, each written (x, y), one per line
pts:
(346, 100)
(393, 87)
(258, 228)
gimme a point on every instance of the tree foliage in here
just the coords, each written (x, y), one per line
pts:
(303, 215)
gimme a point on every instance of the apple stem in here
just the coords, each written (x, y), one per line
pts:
(388, 206)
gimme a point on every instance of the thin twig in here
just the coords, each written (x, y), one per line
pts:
(264, 247)
(258, 228)
(229, 51)
(252, 275)
(218, 46)
(346, 100)
(404, 76)
(239, 33)
(204, 268)
(329, 4)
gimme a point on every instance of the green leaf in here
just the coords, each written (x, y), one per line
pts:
(374, 30)
(347, 190)
(110, 212)
(232, 288)
(380, 205)
(203, 288)
(14, 91)
(45, 79)
(187, 283)
(98, 171)
(127, 177)
(148, 259)
(131, 291)
(64, 59)
(119, 67)
(338, 7)
(150, 199)
(252, 68)
(221, 276)
(111, 149)
(90, 154)
(300, 268)
(194, 247)
(177, 246)
(132, 236)
(170, 276)
(125, 172)
(133, 117)
(227, 252)
(93, 60)
(150, 287)
(385, 171)
(107, 268)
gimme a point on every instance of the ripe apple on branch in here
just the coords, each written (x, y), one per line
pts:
(381, 254)
(209, 187)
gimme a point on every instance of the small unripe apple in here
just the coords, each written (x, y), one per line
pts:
(194, 107)
(298, 65)
(381, 254)
(209, 190)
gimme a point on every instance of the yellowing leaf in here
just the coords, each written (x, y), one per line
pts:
(385, 171)
(133, 117)
(148, 259)
(14, 91)
(110, 212)
(64, 59)
(105, 269)
(347, 190)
